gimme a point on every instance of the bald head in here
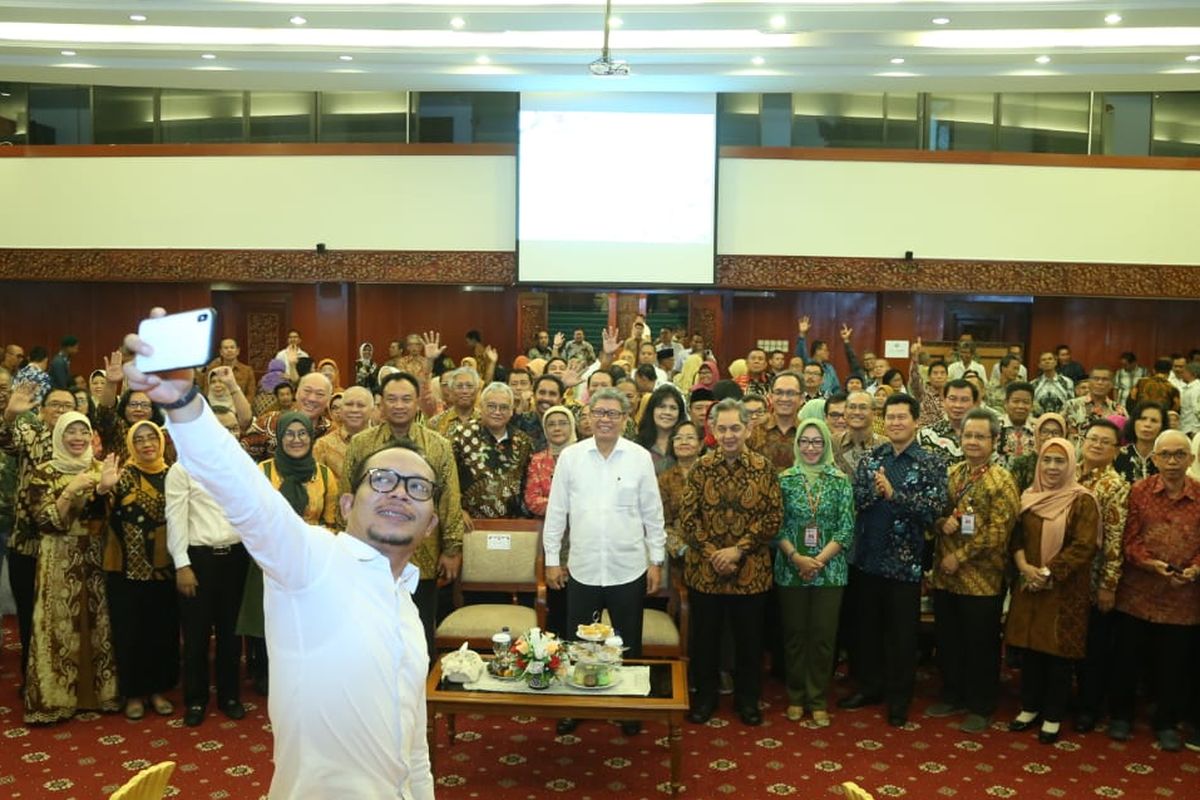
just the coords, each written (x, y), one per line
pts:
(313, 394)
(358, 393)
(1172, 439)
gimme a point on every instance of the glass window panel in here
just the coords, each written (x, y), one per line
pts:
(14, 113)
(123, 115)
(775, 120)
(60, 115)
(464, 117)
(902, 129)
(738, 119)
(282, 116)
(364, 117)
(1044, 122)
(961, 121)
(198, 115)
(1124, 125)
(1176, 124)
(837, 120)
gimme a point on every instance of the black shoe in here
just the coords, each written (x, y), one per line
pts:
(1046, 737)
(193, 716)
(233, 709)
(631, 727)
(750, 716)
(897, 719)
(1084, 723)
(1017, 726)
(858, 700)
(566, 725)
(261, 685)
(700, 714)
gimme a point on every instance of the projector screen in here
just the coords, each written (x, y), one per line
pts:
(616, 188)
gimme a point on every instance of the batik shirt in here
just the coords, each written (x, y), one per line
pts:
(1081, 412)
(135, 543)
(847, 452)
(943, 441)
(889, 535)
(1051, 394)
(1112, 493)
(1015, 441)
(1132, 466)
(8, 493)
(27, 439)
(775, 445)
(833, 500)
(491, 473)
(991, 496)
(1165, 529)
(31, 373)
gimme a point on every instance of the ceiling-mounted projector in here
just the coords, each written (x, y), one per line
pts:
(605, 67)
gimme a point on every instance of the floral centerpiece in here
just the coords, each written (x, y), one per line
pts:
(539, 657)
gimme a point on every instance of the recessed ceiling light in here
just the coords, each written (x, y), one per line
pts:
(1113, 19)
(137, 17)
(208, 56)
(778, 21)
(345, 58)
(298, 20)
(615, 22)
(758, 61)
(5, 94)
(67, 52)
(1192, 58)
(897, 60)
(482, 60)
(458, 23)
(1042, 59)
(940, 20)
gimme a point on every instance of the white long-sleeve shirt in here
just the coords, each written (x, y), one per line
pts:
(193, 518)
(614, 511)
(348, 655)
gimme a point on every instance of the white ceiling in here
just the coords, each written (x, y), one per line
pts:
(822, 45)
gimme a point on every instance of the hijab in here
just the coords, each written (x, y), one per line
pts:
(566, 412)
(362, 353)
(337, 373)
(813, 470)
(714, 373)
(274, 375)
(521, 362)
(813, 409)
(1053, 506)
(736, 369)
(536, 366)
(295, 472)
(1047, 417)
(63, 461)
(685, 379)
(158, 465)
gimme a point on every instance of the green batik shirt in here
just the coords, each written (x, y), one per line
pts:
(8, 493)
(833, 498)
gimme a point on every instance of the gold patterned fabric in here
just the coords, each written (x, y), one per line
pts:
(672, 483)
(991, 496)
(72, 666)
(436, 450)
(776, 445)
(1112, 493)
(447, 422)
(728, 504)
(29, 439)
(135, 541)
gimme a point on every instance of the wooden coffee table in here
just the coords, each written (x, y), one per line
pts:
(667, 703)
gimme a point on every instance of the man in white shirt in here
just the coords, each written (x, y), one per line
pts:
(605, 491)
(210, 572)
(347, 701)
(1189, 400)
(967, 363)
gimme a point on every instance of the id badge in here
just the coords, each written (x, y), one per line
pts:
(811, 537)
(967, 525)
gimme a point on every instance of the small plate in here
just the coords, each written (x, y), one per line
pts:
(614, 682)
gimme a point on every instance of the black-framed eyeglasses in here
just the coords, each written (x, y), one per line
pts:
(384, 480)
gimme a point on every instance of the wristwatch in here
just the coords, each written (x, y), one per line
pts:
(188, 396)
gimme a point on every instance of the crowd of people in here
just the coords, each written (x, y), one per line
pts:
(1052, 522)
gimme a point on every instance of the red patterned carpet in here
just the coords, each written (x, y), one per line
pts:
(517, 758)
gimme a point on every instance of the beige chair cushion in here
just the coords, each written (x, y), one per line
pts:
(658, 628)
(515, 565)
(484, 619)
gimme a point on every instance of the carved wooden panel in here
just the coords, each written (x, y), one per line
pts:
(264, 331)
(533, 315)
(628, 307)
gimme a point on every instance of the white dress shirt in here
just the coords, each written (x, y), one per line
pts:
(1189, 407)
(958, 369)
(348, 655)
(1022, 373)
(613, 509)
(193, 518)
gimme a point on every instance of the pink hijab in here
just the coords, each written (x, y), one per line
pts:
(1054, 505)
(714, 371)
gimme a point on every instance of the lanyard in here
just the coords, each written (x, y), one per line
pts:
(972, 478)
(813, 503)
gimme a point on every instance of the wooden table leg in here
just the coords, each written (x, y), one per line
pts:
(675, 737)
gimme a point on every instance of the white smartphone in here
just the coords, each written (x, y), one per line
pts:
(180, 340)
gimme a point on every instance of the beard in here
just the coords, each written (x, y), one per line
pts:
(390, 539)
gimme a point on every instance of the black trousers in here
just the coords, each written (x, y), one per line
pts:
(744, 615)
(425, 598)
(1166, 648)
(145, 629)
(623, 601)
(21, 573)
(221, 576)
(889, 614)
(1045, 684)
(1093, 675)
(967, 632)
(847, 633)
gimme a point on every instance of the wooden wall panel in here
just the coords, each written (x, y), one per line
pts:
(1098, 330)
(100, 314)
